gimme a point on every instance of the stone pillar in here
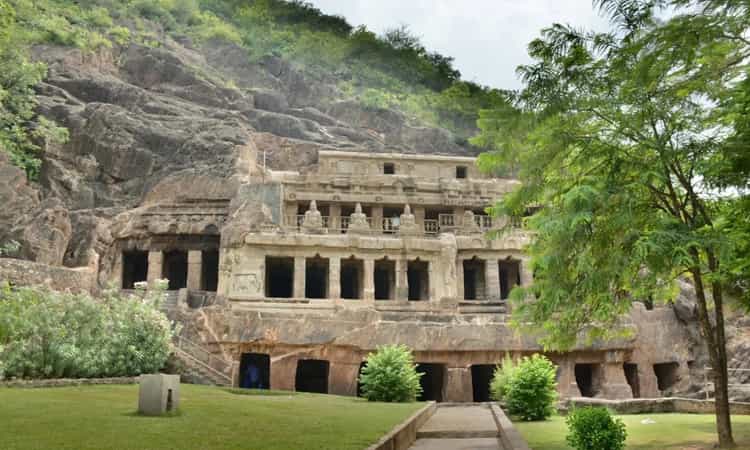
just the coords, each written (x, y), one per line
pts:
(283, 373)
(460, 279)
(334, 216)
(290, 214)
(402, 280)
(458, 216)
(342, 378)
(155, 261)
(566, 382)
(527, 277)
(299, 277)
(432, 282)
(195, 269)
(614, 385)
(492, 280)
(458, 386)
(334, 277)
(369, 280)
(419, 216)
(377, 218)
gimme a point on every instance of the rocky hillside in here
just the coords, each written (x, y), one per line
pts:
(141, 117)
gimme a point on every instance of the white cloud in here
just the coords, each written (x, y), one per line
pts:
(487, 38)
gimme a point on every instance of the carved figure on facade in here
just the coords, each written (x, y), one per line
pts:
(313, 221)
(469, 225)
(358, 221)
(408, 223)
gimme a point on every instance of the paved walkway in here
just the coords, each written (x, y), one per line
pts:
(459, 428)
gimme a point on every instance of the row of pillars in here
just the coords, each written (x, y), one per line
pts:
(194, 268)
(368, 291)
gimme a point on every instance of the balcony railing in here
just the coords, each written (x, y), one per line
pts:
(390, 225)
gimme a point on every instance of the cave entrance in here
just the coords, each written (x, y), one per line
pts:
(418, 277)
(316, 277)
(175, 269)
(481, 377)
(134, 268)
(359, 375)
(279, 277)
(210, 270)
(385, 279)
(631, 375)
(432, 382)
(352, 278)
(474, 272)
(255, 371)
(587, 379)
(666, 374)
(510, 276)
(312, 376)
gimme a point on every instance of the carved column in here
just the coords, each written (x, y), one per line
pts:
(458, 386)
(334, 277)
(377, 218)
(402, 280)
(155, 261)
(299, 277)
(369, 280)
(492, 279)
(566, 382)
(419, 216)
(195, 269)
(527, 277)
(334, 217)
(460, 280)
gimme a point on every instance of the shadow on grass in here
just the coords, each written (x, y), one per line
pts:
(166, 415)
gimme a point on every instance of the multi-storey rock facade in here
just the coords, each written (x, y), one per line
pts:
(291, 278)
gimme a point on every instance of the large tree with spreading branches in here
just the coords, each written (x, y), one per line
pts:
(632, 148)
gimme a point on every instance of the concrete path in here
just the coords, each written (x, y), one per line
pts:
(459, 427)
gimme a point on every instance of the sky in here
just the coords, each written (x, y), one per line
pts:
(487, 38)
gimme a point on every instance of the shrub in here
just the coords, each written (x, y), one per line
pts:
(595, 429)
(501, 378)
(46, 334)
(390, 375)
(530, 391)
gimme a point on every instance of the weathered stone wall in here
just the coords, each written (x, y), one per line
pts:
(27, 273)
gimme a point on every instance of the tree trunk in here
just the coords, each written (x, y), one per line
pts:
(716, 345)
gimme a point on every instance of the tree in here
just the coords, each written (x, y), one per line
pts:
(623, 140)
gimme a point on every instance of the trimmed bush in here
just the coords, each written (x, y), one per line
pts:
(390, 375)
(593, 428)
(528, 389)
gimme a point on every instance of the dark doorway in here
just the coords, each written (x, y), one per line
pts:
(474, 270)
(316, 277)
(631, 374)
(352, 278)
(481, 377)
(312, 376)
(134, 268)
(175, 269)
(510, 276)
(432, 382)
(419, 280)
(585, 379)
(210, 270)
(385, 279)
(359, 382)
(279, 277)
(255, 371)
(666, 374)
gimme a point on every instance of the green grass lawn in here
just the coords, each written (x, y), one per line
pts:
(103, 417)
(670, 432)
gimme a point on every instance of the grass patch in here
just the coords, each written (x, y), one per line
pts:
(104, 418)
(670, 432)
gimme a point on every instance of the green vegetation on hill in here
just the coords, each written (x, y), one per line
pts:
(390, 71)
(104, 418)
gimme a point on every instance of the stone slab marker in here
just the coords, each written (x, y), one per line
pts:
(158, 394)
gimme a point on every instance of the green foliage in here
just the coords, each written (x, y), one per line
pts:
(390, 375)
(9, 248)
(529, 389)
(595, 429)
(501, 378)
(46, 334)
